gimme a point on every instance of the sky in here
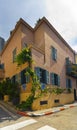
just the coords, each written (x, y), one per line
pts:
(60, 13)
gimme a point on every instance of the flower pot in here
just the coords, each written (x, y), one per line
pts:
(6, 98)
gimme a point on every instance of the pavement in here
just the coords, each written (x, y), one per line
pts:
(43, 112)
(49, 111)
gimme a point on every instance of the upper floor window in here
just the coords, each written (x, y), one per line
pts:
(14, 54)
(54, 53)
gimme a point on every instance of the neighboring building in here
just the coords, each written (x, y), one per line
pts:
(54, 58)
(2, 43)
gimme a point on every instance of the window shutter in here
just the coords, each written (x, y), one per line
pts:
(52, 78)
(58, 80)
(2, 66)
(70, 83)
(66, 83)
(18, 78)
(52, 53)
(13, 79)
(27, 78)
(43, 86)
(46, 77)
(37, 71)
(14, 54)
(55, 54)
(23, 77)
(67, 61)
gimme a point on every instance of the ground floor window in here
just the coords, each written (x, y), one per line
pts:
(55, 79)
(68, 83)
(21, 77)
(42, 74)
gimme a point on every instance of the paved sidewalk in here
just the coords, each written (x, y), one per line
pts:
(47, 111)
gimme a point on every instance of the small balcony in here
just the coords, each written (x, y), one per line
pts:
(71, 69)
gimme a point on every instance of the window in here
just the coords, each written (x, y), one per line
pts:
(2, 66)
(68, 83)
(43, 75)
(54, 53)
(21, 78)
(18, 78)
(55, 79)
(14, 54)
(24, 78)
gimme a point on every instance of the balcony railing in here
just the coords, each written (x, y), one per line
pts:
(71, 69)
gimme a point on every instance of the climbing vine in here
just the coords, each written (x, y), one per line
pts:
(23, 57)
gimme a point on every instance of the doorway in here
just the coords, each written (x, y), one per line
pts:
(75, 98)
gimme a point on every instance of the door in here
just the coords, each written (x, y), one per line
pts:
(75, 98)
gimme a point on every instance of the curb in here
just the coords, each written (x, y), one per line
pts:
(46, 113)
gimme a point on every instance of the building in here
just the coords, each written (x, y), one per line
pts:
(54, 58)
(2, 43)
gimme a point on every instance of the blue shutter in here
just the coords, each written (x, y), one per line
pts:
(37, 71)
(23, 77)
(66, 83)
(27, 78)
(46, 77)
(67, 61)
(18, 78)
(1, 66)
(43, 86)
(58, 80)
(69, 69)
(52, 53)
(70, 83)
(52, 79)
(55, 55)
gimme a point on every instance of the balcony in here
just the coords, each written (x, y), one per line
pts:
(71, 69)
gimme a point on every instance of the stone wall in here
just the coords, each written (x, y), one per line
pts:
(52, 100)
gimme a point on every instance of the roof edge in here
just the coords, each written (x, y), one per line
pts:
(21, 21)
(54, 30)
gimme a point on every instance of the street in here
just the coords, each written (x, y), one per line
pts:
(4, 115)
(63, 120)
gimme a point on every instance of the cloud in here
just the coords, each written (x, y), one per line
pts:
(62, 15)
(11, 11)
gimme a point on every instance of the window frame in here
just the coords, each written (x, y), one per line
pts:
(54, 53)
(55, 79)
(68, 83)
(14, 52)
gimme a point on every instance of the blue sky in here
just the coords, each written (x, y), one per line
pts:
(60, 13)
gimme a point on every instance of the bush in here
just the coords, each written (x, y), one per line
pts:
(57, 90)
(26, 105)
